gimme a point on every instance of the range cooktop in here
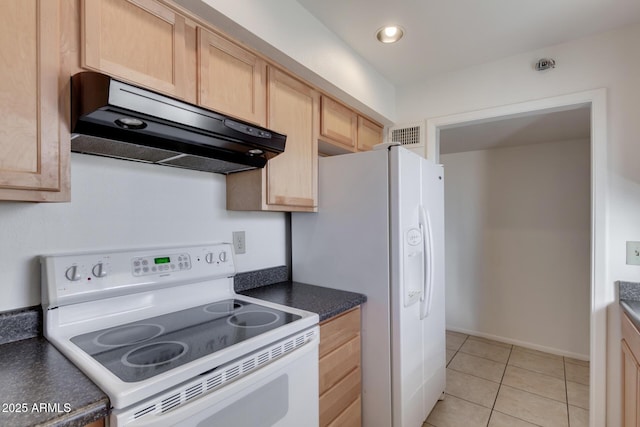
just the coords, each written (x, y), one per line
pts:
(140, 350)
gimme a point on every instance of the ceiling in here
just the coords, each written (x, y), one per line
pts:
(445, 35)
(532, 128)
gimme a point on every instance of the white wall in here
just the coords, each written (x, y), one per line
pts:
(608, 60)
(121, 204)
(518, 244)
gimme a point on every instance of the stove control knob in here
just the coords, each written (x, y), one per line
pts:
(209, 257)
(98, 270)
(72, 273)
(223, 256)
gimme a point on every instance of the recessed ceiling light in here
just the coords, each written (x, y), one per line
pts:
(390, 34)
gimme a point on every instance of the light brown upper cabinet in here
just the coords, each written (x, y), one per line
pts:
(141, 41)
(369, 134)
(289, 182)
(338, 128)
(33, 160)
(343, 131)
(230, 79)
(293, 110)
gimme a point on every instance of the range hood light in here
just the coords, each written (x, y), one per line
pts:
(130, 123)
(255, 152)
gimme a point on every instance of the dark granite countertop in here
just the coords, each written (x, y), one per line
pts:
(629, 293)
(40, 387)
(326, 302)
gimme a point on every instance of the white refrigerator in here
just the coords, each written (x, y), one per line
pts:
(379, 231)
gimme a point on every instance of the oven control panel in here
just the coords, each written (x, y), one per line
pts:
(143, 266)
(84, 276)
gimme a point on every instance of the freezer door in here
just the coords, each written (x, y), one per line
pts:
(417, 286)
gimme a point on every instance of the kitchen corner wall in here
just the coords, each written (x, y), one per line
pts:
(121, 204)
(518, 244)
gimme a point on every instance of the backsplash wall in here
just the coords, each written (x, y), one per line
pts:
(121, 204)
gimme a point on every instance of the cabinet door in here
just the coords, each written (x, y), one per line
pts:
(338, 126)
(369, 134)
(30, 151)
(141, 41)
(630, 388)
(231, 80)
(293, 110)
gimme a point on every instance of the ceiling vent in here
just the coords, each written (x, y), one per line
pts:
(409, 136)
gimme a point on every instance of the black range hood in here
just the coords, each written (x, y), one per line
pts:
(115, 119)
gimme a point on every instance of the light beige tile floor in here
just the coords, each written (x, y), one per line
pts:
(493, 384)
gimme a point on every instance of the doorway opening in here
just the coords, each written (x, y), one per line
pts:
(594, 103)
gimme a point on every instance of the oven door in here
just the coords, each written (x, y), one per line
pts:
(283, 393)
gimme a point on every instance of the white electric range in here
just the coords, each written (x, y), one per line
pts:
(162, 333)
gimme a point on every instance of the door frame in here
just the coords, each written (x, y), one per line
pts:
(597, 100)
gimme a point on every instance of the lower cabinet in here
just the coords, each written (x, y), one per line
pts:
(97, 423)
(340, 374)
(630, 373)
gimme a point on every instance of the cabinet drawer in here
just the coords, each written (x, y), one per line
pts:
(338, 331)
(339, 397)
(352, 416)
(337, 364)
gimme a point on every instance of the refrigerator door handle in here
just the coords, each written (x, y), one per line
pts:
(427, 294)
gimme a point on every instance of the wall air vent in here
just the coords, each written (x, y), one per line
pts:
(409, 136)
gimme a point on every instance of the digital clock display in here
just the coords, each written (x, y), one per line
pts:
(162, 260)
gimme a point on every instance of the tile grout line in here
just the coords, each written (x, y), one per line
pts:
(491, 360)
(456, 351)
(511, 350)
(447, 367)
(501, 382)
(516, 366)
(500, 385)
(566, 389)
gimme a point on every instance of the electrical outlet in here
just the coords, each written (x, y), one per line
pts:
(239, 244)
(633, 253)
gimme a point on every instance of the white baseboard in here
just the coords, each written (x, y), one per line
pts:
(524, 344)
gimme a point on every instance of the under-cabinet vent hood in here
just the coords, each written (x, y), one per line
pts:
(115, 119)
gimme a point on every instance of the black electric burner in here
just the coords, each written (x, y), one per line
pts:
(139, 350)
